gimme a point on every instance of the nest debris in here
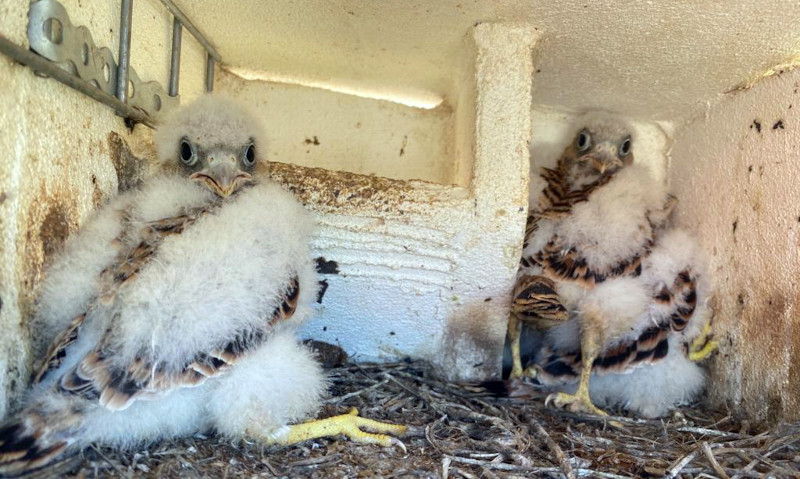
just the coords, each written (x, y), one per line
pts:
(459, 432)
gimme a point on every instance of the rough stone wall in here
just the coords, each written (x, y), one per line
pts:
(63, 155)
(736, 171)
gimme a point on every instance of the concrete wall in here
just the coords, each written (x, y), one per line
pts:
(63, 154)
(424, 269)
(736, 171)
(316, 127)
(656, 60)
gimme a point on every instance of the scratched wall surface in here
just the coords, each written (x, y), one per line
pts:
(424, 269)
(736, 170)
(320, 128)
(63, 155)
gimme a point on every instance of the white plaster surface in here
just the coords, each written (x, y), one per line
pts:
(739, 191)
(654, 59)
(337, 131)
(425, 269)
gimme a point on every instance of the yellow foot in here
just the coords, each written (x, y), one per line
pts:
(574, 403)
(349, 425)
(577, 403)
(703, 345)
(529, 372)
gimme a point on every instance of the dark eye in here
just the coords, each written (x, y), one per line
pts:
(625, 147)
(187, 153)
(584, 141)
(249, 155)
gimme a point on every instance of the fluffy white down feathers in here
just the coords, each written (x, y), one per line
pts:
(209, 120)
(648, 390)
(206, 293)
(619, 223)
(222, 274)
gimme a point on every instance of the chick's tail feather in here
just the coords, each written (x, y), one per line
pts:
(524, 388)
(35, 439)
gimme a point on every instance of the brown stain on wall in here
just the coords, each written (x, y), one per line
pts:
(54, 215)
(47, 224)
(131, 169)
(766, 320)
(331, 190)
(97, 194)
(54, 229)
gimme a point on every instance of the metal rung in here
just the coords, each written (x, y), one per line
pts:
(43, 66)
(68, 54)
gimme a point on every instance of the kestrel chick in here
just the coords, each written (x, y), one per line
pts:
(589, 230)
(172, 311)
(602, 146)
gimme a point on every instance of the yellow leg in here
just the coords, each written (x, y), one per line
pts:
(349, 425)
(702, 346)
(534, 299)
(514, 334)
(580, 401)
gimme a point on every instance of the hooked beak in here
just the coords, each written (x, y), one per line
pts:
(222, 177)
(598, 164)
(603, 159)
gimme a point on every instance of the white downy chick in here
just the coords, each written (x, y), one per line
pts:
(172, 310)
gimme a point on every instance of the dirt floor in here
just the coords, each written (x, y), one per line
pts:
(460, 432)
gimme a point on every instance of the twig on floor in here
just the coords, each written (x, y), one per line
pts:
(713, 461)
(339, 399)
(501, 466)
(110, 463)
(708, 432)
(566, 468)
(316, 461)
(680, 464)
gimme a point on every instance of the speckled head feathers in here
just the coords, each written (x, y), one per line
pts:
(215, 140)
(602, 144)
(209, 120)
(605, 126)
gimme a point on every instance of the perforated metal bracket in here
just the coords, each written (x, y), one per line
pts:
(53, 36)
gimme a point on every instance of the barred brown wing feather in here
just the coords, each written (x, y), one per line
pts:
(567, 264)
(531, 227)
(535, 297)
(98, 377)
(58, 349)
(288, 304)
(20, 451)
(684, 294)
(130, 262)
(564, 367)
(127, 264)
(558, 199)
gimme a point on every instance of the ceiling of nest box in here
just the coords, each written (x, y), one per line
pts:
(656, 59)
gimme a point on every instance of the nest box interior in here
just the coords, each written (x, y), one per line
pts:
(410, 128)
